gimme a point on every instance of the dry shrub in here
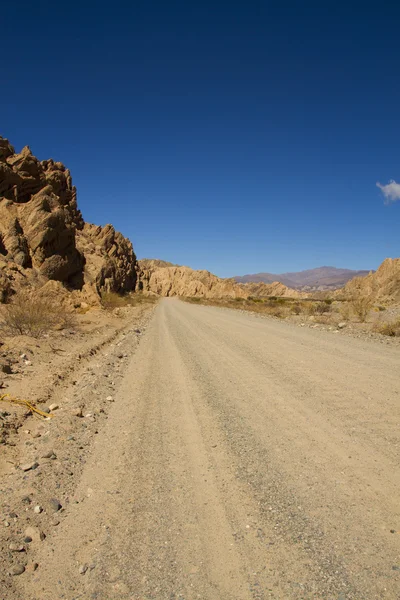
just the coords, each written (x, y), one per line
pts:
(361, 306)
(391, 328)
(321, 307)
(318, 307)
(111, 300)
(27, 314)
(346, 310)
(296, 309)
(139, 298)
(277, 312)
(326, 319)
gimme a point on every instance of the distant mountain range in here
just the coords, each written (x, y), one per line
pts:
(321, 278)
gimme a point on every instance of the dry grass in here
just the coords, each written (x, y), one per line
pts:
(112, 300)
(27, 314)
(280, 308)
(361, 307)
(391, 328)
(346, 311)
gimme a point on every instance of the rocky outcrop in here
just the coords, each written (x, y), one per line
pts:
(155, 263)
(43, 235)
(110, 259)
(39, 215)
(183, 281)
(276, 288)
(155, 278)
(382, 285)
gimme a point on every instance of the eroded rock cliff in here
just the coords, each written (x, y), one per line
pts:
(44, 237)
(382, 285)
(161, 278)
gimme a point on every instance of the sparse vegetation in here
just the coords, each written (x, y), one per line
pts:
(111, 300)
(324, 311)
(361, 306)
(296, 308)
(28, 314)
(346, 311)
(390, 328)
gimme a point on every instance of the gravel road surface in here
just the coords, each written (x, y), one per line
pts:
(244, 458)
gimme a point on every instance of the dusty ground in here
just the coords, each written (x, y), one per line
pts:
(243, 458)
(79, 369)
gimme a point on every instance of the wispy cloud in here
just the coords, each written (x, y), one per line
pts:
(391, 191)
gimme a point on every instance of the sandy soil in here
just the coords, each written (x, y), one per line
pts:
(79, 370)
(243, 459)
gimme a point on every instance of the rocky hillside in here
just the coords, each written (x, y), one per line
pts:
(155, 263)
(183, 281)
(382, 286)
(272, 289)
(319, 279)
(158, 277)
(43, 236)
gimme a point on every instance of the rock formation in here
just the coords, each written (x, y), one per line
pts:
(158, 277)
(272, 289)
(110, 259)
(383, 285)
(183, 281)
(44, 237)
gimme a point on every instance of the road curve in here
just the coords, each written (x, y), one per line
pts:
(244, 459)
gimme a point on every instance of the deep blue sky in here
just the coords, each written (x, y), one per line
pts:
(233, 136)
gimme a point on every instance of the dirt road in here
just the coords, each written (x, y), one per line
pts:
(243, 459)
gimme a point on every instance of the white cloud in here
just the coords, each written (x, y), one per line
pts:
(391, 191)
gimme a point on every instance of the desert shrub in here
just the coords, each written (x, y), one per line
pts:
(272, 298)
(64, 319)
(361, 307)
(278, 312)
(296, 308)
(27, 314)
(328, 301)
(320, 308)
(270, 303)
(309, 308)
(137, 298)
(346, 310)
(282, 301)
(111, 300)
(391, 328)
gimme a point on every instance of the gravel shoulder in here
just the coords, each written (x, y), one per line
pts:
(243, 459)
(76, 372)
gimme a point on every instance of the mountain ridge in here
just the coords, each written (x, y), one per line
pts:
(325, 277)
